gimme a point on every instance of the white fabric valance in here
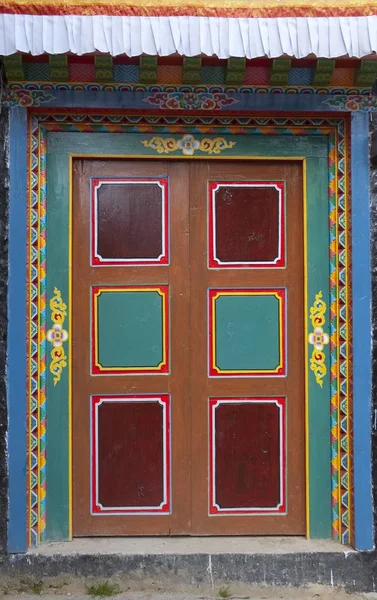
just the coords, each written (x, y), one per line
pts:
(190, 36)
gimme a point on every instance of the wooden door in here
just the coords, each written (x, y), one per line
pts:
(130, 350)
(247, 360)
(188, 349)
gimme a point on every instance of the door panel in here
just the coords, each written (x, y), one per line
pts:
(188, 348)
(247, 394)
(135, 379)
(246, 224)
(121, 484)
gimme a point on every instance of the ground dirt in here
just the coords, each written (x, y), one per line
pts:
(260, 593)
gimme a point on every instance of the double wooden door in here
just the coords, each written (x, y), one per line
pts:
(188, 348)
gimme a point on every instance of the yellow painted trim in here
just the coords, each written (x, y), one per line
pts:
(302, 159)
(213, 323)
(306, 317)
(100, 291)
(281, 349)
(182, 157)
(70, 244)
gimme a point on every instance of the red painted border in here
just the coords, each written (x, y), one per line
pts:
(94, 370)
(213, 510)
(95, 261)
(212, 262)
(166, 508)
(281, 292)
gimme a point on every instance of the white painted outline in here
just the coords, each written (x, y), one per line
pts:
(131, 510)
(280, 402)
(212, 242)
(165, 216)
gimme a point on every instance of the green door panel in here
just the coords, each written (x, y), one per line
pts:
(247, 333)
(129, 329)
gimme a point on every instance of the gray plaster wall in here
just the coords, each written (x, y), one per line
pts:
(4, 204)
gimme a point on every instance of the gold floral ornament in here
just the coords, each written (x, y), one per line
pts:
(318, 338)
(188, 145)
(57, 335)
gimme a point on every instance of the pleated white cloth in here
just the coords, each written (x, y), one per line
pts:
(190, 36)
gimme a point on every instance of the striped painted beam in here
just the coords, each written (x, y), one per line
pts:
(59, 67)
(191, 69)
(14, 69)
(103, 69)
(366, 73)
(323, 72)
(148, 69)
(280, 71)
(235, 72)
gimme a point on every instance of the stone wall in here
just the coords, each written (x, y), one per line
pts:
(4, 204)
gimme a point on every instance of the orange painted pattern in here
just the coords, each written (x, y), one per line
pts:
(215, 8)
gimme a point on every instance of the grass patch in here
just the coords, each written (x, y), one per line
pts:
(224, 592)
(102, 590)
(36, 587)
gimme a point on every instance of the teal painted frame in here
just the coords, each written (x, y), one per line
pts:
(313, 152)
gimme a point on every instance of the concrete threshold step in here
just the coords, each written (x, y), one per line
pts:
(172, 563)
(190, 545)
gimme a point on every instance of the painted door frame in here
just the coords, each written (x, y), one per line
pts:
(361, 318)
(314, 162)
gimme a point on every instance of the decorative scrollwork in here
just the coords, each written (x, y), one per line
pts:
(215, 145)
(353, 103)
(191, 100)
(57, 335)
(25, 98)
(187, 144)
(318, 338)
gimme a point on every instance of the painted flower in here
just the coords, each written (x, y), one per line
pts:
(191, 100)
(57, 335)
(25, 98)
(210, 104)
(318, 338)
(368, 103)
(188, 144)
(353, 104)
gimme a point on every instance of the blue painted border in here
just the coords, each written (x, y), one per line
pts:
(271, 103)
(362, 341)
(16, 365)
